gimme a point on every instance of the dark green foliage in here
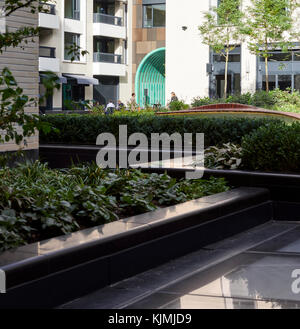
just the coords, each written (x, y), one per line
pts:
(259, 99)
(38, 203)
(273, 148)
(178, 106)
(84, 129)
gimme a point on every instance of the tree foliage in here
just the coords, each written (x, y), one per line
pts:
(221, 30)
(267, 26)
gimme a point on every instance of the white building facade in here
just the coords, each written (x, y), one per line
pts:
(100, 27)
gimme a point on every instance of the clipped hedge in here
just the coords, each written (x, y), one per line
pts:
(273, 148)
(84, 129)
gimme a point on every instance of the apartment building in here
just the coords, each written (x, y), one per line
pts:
(23, 63)
(103, 29)
(193, 70)
(150, 47)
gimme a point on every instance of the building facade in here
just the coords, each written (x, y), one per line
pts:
(23, 63)
(100, 27)
(147, 47)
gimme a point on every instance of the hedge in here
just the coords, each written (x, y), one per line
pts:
(84, 129)
(273, 148)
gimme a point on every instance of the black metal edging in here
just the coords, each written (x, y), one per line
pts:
(57, 276)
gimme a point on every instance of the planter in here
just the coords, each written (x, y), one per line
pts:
(52, 272)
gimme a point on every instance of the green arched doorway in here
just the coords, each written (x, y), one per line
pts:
(150, 78)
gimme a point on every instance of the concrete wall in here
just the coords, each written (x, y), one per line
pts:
(24, 65)
(186, 56)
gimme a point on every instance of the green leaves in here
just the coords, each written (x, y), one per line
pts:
(83, 129)
(38, 203)
(275, 147)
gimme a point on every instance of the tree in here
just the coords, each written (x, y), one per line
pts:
(267, 26)
(221, 30)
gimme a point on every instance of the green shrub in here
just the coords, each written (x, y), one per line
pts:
(178, 106)
(262, 99)
(286, 100)
(37, 203)
(201, 101)
(84, 129)
(275, 147)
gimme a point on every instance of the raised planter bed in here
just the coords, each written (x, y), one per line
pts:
(49, 273)
(228, 108)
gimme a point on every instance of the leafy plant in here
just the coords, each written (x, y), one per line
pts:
(178, 106)
(227, 157)
(38, 203)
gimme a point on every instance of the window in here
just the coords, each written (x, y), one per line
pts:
(72, 9)
(71, 40)
(234, 58)
(272, 82)
(154, 15)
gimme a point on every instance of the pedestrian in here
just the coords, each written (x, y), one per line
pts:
(133, 103)
(120, 105)
(110, 107)
(174, 98)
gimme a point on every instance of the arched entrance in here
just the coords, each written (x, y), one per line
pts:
(150, 79)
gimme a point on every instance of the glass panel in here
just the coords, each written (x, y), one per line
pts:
(272, 82)
(235, 58)
(237, 84)
(278, 57)
(297, 82)
(221, 84)
(72, 9)
(159, 15)
(148, 16)
(71, 39)
(68, 9)
(284, 82)
(297, 56)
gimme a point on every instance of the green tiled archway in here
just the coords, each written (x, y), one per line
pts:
(151, 76)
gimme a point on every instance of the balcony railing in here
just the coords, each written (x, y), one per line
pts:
(48, 52)
(108, 19)
(108, 58)
(48, 8)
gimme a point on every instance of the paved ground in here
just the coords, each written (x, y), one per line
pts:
(254, 269)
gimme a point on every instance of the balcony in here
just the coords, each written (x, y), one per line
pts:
(109, 26)
(48, 60)
(49, 19)
(109, 64)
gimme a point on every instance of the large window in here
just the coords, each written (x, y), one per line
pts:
(71, 40)
(72, 9)
(154, 15)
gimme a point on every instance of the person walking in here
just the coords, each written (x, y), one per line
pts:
(174, 98)
(133, 103)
